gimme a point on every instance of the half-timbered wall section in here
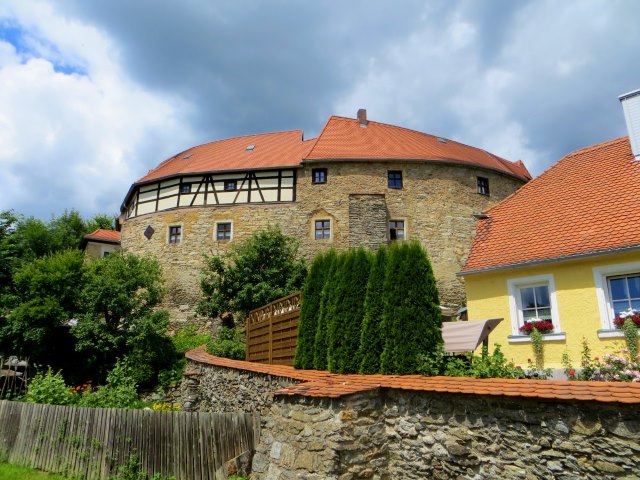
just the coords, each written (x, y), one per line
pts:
(214, 189)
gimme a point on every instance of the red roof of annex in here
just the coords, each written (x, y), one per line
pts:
(102, 235)
(340, 139)
(584, 204)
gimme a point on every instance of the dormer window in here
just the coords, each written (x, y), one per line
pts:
(319, 175)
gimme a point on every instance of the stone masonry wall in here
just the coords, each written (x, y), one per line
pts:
(417, 435)
(219, 390)
(437, 202)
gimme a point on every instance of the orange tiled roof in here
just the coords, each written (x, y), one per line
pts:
(317, 383)
(584, 204)
(102, 235)
(280, 149)
(341, 139)
(344, 138)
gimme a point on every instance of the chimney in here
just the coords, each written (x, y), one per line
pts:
(631, 108)
(362, 117)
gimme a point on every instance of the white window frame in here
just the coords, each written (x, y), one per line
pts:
(215, 230)
(605, 306)
(169, 233)
(515, 306)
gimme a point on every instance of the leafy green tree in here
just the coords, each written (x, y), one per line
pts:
(48, 293)
(411, 318)
(344, 325)
(8, 260)
(372, 339)
(310, 308)
(253, 273)
(99, 220)
(31, 239)
(326, 312)
(120, 296)
(66, 230)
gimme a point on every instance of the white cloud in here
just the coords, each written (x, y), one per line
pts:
(75, 140)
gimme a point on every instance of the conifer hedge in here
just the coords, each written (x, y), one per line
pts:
(369, 314)
(411, 319)
(310, 309)
(328, 300)
(345, 323)
(372, 339)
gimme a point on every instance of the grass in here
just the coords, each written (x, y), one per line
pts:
(15, 472)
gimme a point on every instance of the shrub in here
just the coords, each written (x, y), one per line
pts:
(372, 338)
(485, 365)
(253, 273)
(187, 339)
(120, 391)
(344, 325)
(310, 308)
(228, 343)
(48, 387)
(411, 316)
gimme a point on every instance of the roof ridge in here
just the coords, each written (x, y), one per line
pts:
(596, 146)
(319, 136)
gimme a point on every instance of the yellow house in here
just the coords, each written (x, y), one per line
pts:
(564, 248)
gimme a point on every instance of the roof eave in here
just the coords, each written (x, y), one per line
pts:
(543, 261)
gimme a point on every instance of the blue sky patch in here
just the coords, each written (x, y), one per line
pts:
(24, 40)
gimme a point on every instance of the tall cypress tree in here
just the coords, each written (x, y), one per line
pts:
(411, 316)
(310, 309)
(344, 326)
(327, 307)
(372, 338)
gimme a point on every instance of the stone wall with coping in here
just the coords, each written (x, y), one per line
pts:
(416, 435)
(436, 202)
(411, 434)
(209, 388)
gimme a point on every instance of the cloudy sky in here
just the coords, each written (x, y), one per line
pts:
(93, 94)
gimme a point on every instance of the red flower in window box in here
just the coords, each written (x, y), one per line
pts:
(631, 315)
(543, 326)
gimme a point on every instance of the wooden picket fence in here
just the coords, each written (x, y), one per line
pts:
(92, 443)
(272, 331)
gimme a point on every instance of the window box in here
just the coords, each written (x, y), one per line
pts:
(547, 337)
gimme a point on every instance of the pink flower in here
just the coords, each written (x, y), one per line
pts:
(572, 372)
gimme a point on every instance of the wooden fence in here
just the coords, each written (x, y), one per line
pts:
(92, 443)
(272, 331)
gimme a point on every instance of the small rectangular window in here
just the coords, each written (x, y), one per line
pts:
(223, 231)
(483, 186)
(624, 291)
(230, 185)
(185, 188)
(175, 234)
(323, 229)
(396, 230)
(319, 175)
(105, 254)
(395, 178)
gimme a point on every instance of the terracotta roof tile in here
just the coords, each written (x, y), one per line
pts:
(344, 139)
(581, 205)
(324, 384)
(104, 235)
(341, 139)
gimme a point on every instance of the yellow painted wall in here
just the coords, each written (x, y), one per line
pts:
(488, 297)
